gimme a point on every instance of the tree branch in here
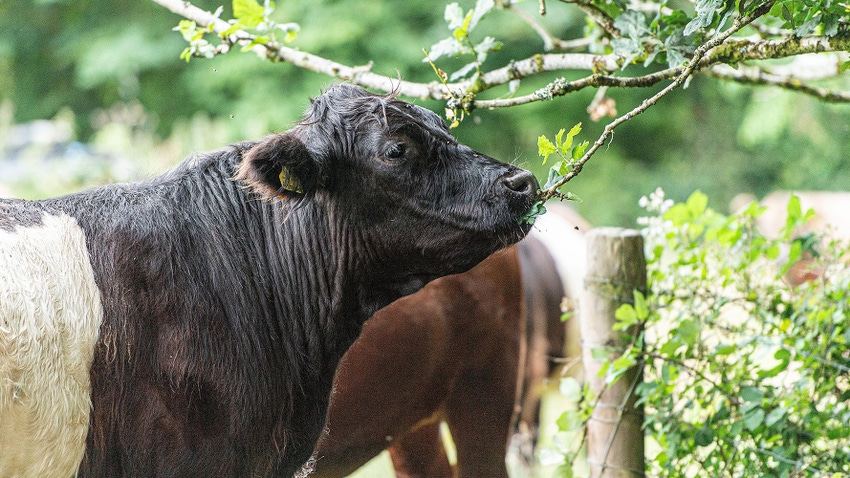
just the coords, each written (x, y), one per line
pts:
(364, 77)
(464, 92)
(600, 17)
(691, 67)
(550, 42)
(277, 52)
(746, 49)
(756, 76)
(561, 87)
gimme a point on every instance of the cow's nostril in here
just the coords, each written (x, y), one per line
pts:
(521, 181)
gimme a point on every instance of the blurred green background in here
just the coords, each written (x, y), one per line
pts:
(121, 104)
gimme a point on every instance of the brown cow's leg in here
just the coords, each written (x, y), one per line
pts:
(480, 422)
(420, 454)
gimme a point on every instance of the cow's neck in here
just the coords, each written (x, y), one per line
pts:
(327, 264)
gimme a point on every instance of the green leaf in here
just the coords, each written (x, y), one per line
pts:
(559, 140)
(564, 147)
(545, 148)
(462, 31)
(569, 421)
(230, 31)
(754, 419)
(794, 209)
(453, 15)
(537, 209)
(599, 353)
(705, 14)
(722, 414)
(786, 14)
(570, 196)
(752, 394)
(249, 13)
(188, 29)
(688, 331)
(554, 176)
(704, 437)
(697, 203)
(678, 214)
(626, 317)
(795, 252)
(775, 415)
(570, 389)
(641, 309)
(670, 347)
(736, 428)
(259, 40)
(784, 357)
(579, 150)
(772, 252)
(623, 363)
(666, 371)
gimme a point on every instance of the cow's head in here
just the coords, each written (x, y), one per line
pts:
(423, 204)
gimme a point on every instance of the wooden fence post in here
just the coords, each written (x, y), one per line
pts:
(615, 267)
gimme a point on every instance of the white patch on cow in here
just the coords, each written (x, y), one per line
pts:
(50, 314)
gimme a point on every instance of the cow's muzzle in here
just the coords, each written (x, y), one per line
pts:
(522, 182)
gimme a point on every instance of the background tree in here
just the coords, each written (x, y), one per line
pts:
(625, 34)
(86, 57)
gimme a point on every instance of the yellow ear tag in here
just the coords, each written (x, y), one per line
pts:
(289, 182)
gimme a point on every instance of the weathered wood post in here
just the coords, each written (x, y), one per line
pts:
(615, 267)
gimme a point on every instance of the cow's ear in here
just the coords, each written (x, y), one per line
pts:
(280, 166)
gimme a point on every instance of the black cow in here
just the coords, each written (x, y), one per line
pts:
(190, 325)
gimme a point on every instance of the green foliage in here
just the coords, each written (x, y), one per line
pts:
(805, 17)
(249, 16)
(568, 152)
(537, 209)
(744, 376)
(667, 32)
(89, 56)
(460, 43)
(198, 45)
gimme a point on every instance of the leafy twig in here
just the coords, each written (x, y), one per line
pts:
(600, 17)
(733, 51)
(691, 67)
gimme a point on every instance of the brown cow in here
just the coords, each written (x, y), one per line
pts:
(460, 351)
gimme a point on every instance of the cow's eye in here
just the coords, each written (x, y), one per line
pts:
(395, 151)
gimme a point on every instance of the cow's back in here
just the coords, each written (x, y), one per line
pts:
(50, 314)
